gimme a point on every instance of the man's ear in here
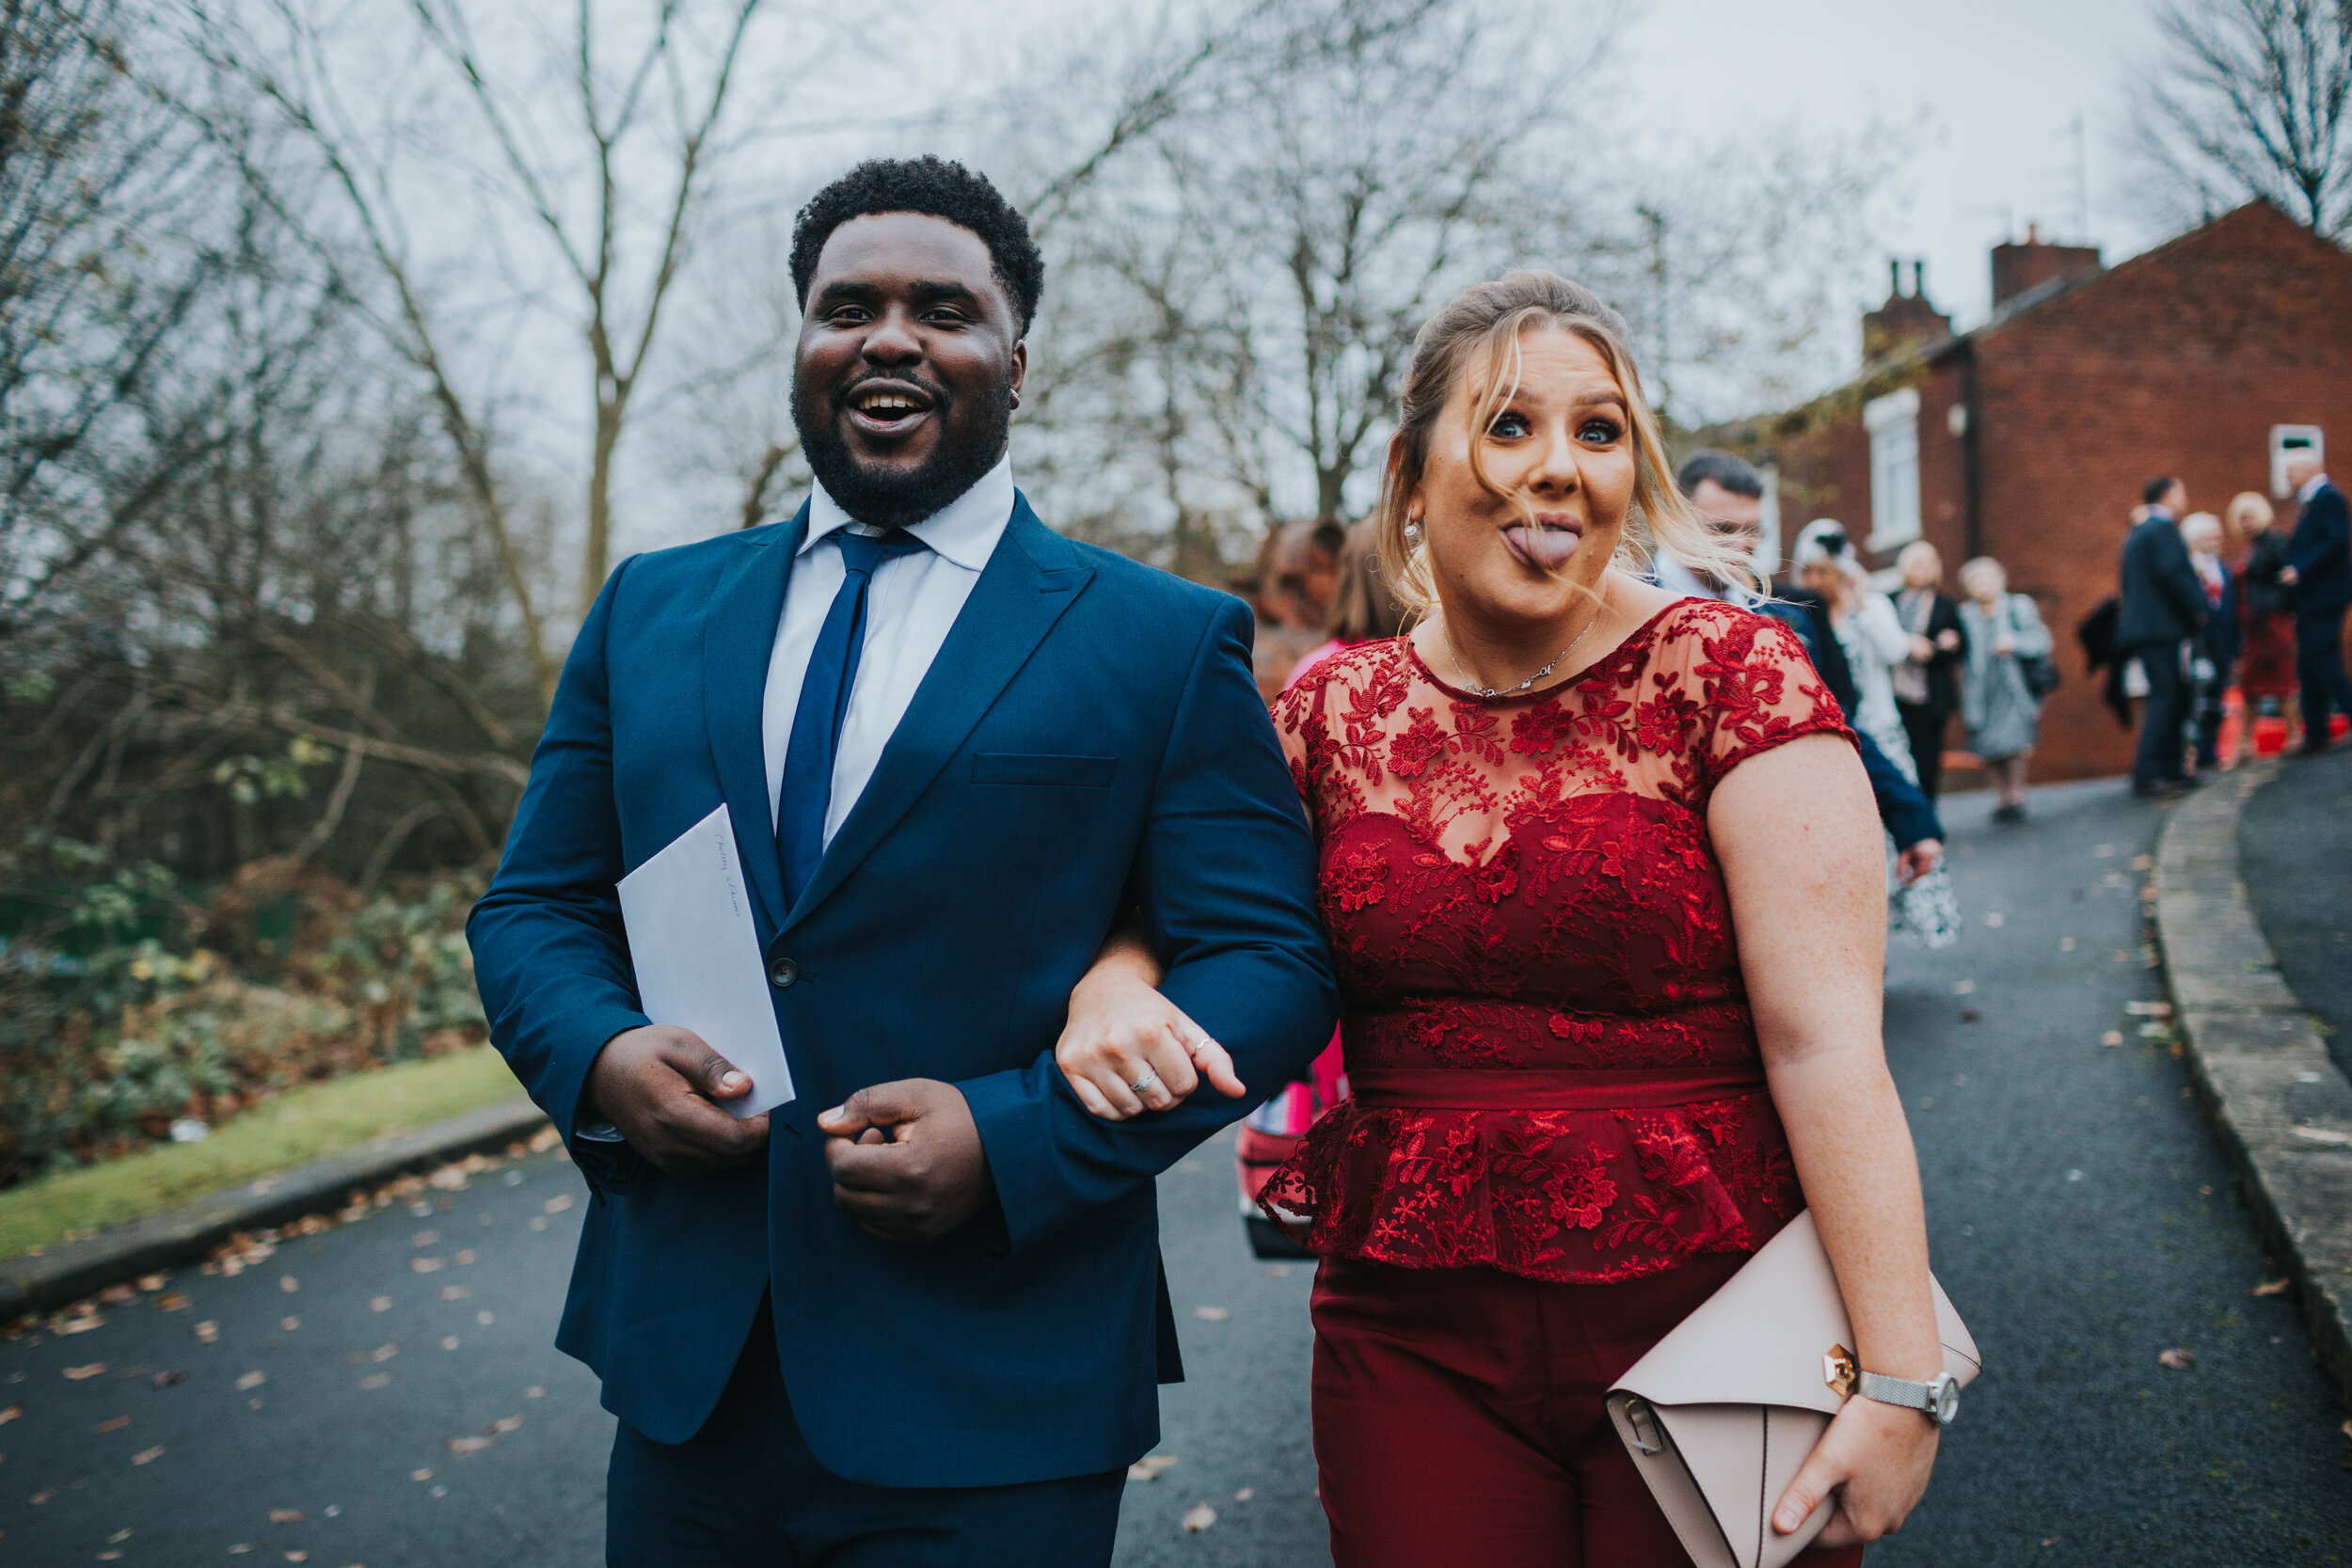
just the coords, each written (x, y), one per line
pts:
(1020, 367)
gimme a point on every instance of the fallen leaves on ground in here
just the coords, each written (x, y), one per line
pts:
(454, 1292)
(380, 1303)
(148, 1456)
(285, 1515)
(11, 1414)
(377, 1380)
(118, 1295)
(425, 1237)
(427, 1265)
(1210, 1314)
(2178, 1359)
(289, 1284)
(1149, 1466)
(289, 1324)
(79, 1374)
(166, 1378)
(1245, 1494)
(116, 1424)
(153, 1281)
(172, 1301)
(1200, 1516)
(465, 1446)
(207, 1332)
(2271, 1288)
(2113, 1037)
(557, 1204)
(251, 1380)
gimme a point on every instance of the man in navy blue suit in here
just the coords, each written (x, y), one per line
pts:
(916, 1314)
(2164, 607)
(2319, 568)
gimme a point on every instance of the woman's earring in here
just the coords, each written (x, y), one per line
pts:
(1412, 527)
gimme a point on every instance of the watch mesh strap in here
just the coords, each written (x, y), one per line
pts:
(1895, 1391)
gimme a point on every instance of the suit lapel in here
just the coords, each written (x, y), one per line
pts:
(1031, 578)
(739, 638)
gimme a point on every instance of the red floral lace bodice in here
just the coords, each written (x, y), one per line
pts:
(1555, 1069)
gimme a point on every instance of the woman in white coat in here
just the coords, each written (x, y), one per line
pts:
(1868, 631)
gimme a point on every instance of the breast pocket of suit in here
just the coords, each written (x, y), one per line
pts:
(1067, 772)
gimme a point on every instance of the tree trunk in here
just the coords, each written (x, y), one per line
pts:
(611, 407)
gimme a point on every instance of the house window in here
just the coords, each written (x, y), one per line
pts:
(1893, 422)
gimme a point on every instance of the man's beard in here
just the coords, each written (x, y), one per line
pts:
(880, 497)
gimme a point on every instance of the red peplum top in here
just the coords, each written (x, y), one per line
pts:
(1555, 1069)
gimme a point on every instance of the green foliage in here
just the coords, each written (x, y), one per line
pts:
(108, 1033)
(250, 779)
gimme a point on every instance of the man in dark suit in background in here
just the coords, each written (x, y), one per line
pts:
(2319, 568)
(2164, 606)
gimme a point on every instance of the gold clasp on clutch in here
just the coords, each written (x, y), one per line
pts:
(1839, 1371)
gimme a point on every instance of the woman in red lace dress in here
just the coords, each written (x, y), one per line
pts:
(1601, 873)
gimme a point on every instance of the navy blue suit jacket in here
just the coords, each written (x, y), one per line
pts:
(2321, 554)
(2164, 599)
(1089, 740)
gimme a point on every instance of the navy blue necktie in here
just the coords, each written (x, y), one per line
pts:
(807, 790)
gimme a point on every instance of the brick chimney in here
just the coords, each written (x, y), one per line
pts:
(1906, 319)
(2019, 268)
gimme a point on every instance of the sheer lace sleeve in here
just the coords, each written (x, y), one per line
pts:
(1753, 684)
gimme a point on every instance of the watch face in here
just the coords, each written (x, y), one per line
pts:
(1945, 1392)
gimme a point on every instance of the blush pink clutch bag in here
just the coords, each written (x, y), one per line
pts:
(1723, 1411)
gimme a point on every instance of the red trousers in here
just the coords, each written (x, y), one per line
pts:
(1458, 1417)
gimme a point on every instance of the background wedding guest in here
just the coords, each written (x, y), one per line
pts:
(2003, 714)
(2319, 569)
(1362, 606)
(2265, 675)
(1927, 684)
(1867, 632)
(2164, 606)
(2217, 645)
(1299, 572)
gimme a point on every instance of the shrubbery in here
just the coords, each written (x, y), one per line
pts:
(126, 1004)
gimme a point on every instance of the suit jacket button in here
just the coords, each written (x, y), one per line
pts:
(782, 973)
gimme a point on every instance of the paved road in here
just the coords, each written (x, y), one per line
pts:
(2296, 841)
(2079, 1213)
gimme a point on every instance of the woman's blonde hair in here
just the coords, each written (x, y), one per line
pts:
(1483, 325)
(2249, 507)
(1919, 550)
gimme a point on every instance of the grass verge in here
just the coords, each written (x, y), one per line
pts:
(301, 1124)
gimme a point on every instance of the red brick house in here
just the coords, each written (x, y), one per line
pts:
(2028, 439)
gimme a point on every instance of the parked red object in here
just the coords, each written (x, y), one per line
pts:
(2271, 734)
(1270, 1134)
(2338, 725)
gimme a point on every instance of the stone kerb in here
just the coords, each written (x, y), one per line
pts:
(2283, 1108)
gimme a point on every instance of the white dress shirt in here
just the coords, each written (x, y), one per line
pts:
(2310, 488)
(911, 606)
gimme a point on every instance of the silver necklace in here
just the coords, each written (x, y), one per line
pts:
(1489, 693)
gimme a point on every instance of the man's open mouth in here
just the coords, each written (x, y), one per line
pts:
(888, 407)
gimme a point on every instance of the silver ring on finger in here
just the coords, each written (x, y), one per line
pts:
(1150, 1076)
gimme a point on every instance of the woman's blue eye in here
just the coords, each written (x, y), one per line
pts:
(1508, 425)
(1599, 430)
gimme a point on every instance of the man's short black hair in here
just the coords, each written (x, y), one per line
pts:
(939, 189)
(2157, 489)
(1734, 474)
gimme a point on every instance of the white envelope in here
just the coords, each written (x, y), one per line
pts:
(697, 957)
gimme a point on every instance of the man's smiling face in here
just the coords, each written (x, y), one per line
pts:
(908, 368)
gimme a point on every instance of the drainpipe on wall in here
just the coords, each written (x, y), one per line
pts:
(1970, 440)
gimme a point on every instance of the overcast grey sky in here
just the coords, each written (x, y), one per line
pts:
(1992, 86)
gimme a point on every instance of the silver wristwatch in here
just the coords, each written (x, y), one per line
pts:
(1938, 1397)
